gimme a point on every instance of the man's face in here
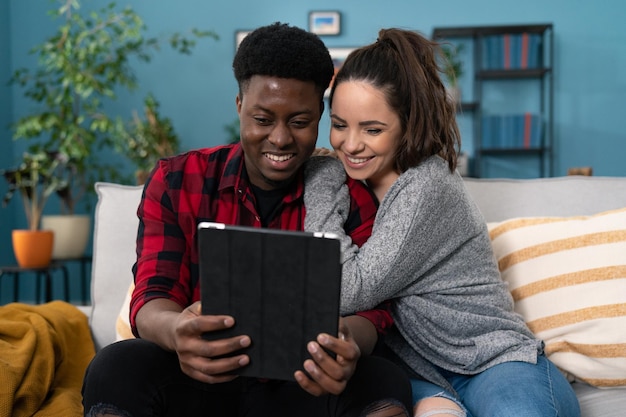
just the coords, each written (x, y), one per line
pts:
(279, 119)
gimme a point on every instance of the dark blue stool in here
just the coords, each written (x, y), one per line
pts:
(14, 272)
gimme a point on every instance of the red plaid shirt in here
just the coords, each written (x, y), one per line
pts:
(210, 185)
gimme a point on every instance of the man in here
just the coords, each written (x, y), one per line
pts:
(170, 369)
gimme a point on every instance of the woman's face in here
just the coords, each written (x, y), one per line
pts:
(365, 133)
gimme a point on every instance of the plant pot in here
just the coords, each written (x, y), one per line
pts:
(33, 248)
(71, 234)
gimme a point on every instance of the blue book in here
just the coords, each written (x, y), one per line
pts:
(499, 52)
(485, 58)
(536, 131)
(516, 51)
(504, 136)
(518, 130)
(487, 131)
(534, 51)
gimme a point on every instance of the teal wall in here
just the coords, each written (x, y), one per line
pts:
(7, 215)
(198, 92)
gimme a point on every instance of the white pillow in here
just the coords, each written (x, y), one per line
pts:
(115, 234)
(568, 279)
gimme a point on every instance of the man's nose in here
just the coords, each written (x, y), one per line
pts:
(280, 136)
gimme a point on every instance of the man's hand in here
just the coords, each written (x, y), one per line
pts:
(163, 322)
(328, 375)
(197, 355)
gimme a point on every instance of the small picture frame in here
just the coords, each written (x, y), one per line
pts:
(325, 22)
(239, 35)
(338, 56)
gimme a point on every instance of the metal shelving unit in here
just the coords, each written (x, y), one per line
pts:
(481, 77)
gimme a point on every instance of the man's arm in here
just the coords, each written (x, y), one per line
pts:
(157, 311)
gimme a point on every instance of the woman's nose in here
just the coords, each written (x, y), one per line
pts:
(352, 144)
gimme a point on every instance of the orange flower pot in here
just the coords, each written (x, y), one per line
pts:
(33, 248)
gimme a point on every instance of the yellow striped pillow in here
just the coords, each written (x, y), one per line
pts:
(122, 323)
(568, 279)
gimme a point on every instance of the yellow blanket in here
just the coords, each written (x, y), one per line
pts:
(44, 351)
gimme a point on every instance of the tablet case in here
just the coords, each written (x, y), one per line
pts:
(282, 288)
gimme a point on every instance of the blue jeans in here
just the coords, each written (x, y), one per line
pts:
(511, 389)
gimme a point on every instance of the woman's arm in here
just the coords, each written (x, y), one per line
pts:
(398, 251)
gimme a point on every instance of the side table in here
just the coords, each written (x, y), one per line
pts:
(83, 262)
(14, 271)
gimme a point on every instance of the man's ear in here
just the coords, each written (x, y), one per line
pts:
(238, 103)
(321, 107)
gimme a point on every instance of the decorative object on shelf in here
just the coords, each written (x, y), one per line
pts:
(325, 22)
(147, 140)
(85, 63)
(452, 67)
(239, 36)
(38, 176)
(338, 56)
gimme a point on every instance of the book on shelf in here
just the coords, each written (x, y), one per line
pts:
(511, 51)
(512, 131)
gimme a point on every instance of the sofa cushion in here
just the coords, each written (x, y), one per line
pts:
(500, 198)
(567, 276)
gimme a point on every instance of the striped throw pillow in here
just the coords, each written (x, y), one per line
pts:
(122, 323)
(568, 279)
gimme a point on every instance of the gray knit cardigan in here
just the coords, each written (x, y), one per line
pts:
(430, 254)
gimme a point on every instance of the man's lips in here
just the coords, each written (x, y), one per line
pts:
(279, 157)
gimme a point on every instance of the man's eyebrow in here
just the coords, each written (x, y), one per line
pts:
(294, 114)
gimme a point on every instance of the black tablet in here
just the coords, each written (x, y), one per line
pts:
(282, 287)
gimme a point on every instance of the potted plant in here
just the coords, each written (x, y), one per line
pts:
(39, 175)
(452, 68)
(147, 140)
(80, 67)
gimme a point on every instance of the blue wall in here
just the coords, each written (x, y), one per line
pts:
(198, 92)
(6, 144)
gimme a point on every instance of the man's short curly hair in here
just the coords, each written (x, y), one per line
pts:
(280, 50)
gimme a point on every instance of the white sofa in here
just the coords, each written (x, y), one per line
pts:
(499, 199)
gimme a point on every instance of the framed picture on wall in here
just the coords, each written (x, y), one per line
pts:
(338, 56)
(239, 35)
(325, 22)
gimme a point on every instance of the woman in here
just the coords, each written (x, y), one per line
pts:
(430, 254)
